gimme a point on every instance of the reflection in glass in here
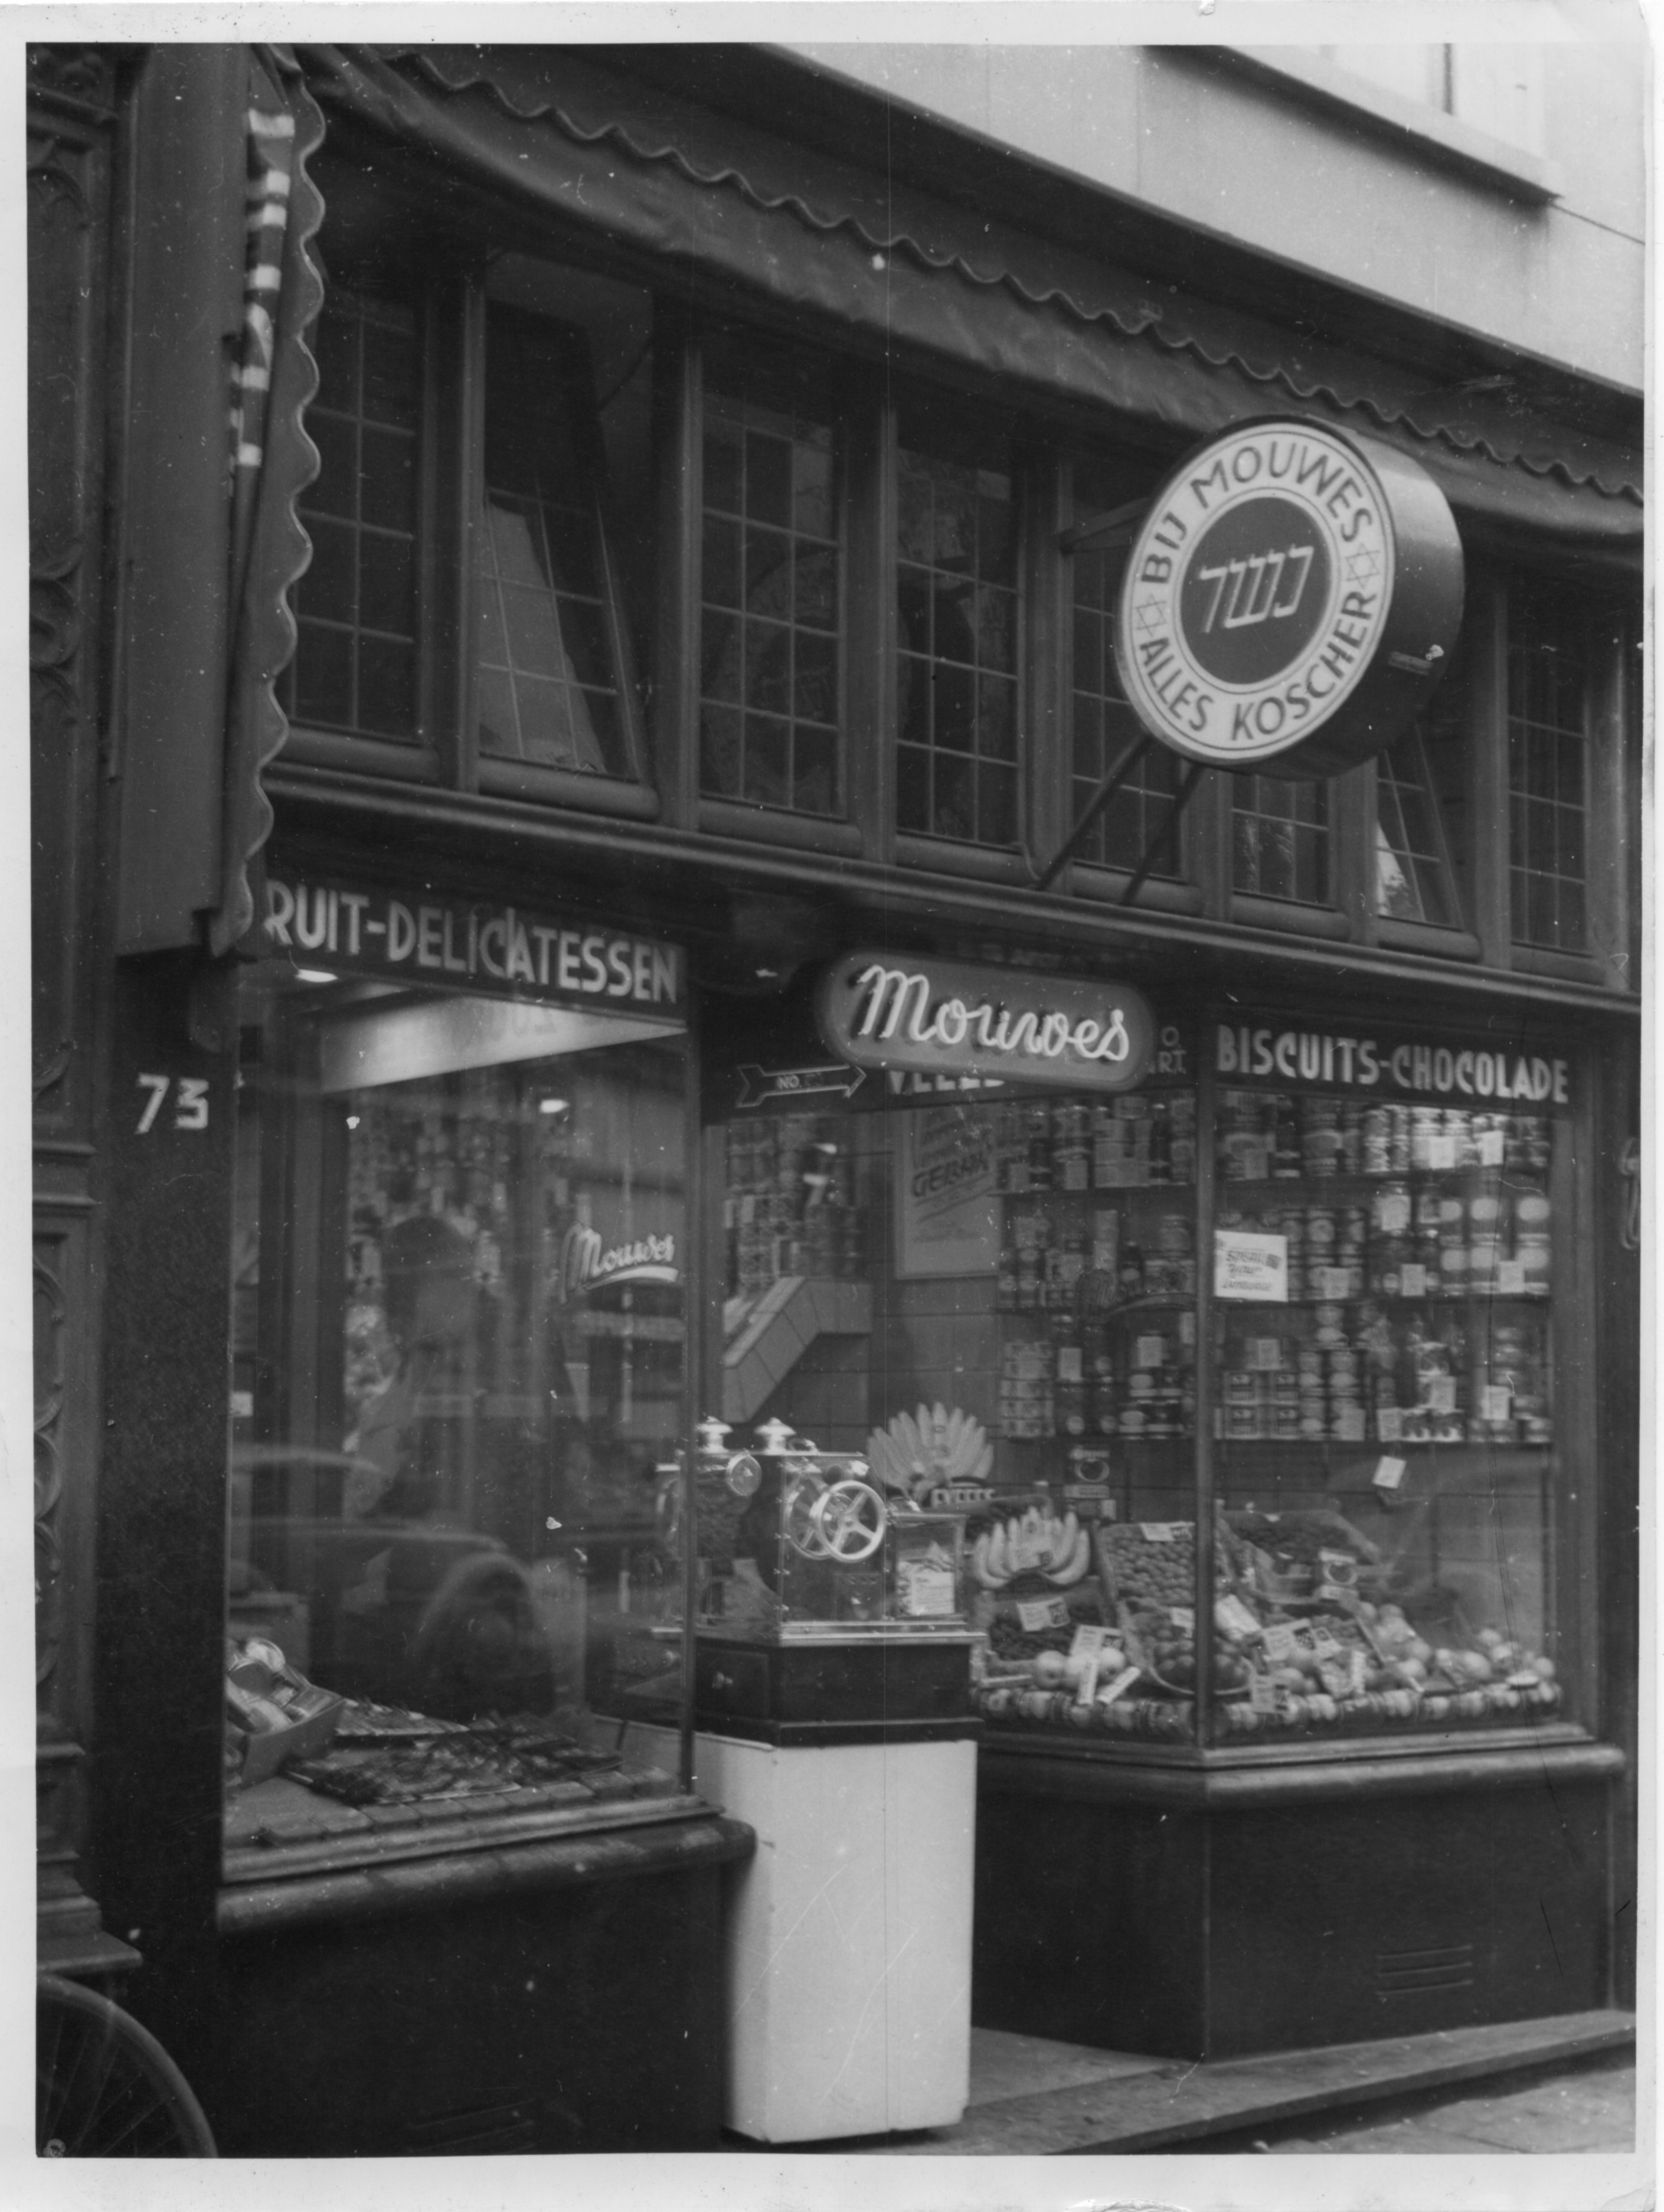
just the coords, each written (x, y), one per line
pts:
(458, 1344)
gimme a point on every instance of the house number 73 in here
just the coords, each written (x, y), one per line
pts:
(189, 1101)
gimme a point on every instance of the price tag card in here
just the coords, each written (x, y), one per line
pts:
(1490, 1148)
(1088, 1640)
(1159, 1532)
(1035, 1613)
(1027, 1553)
(1412, 1279)
(1336, 1676)
(1325, 1646)
(1264, 1694)
(1250, 1266)
(1389, 1425)
(1266, 1354)
(1440, 1393)
(1281, 1643)
(1233, 1617)
(1332, 1283)
(1123, 1683)
(1183, 1617)
(1349, 1426)
(1510, 1278)
(1149, 1351)
(1441, 1152)
(1496, 1402)
(1389, 1472)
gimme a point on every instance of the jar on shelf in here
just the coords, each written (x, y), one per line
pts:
(1181, 1136)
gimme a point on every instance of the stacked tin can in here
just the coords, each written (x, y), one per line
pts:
(1509, 1396)
(1027, 1381)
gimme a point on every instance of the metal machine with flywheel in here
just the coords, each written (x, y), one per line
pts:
(832, 1713)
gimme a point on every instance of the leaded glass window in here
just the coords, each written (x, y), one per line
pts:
(549, 687)
(771, 617)
(354, 664)
(957, 759)
(1547, 771)
(1280, 839)
(1414, 880)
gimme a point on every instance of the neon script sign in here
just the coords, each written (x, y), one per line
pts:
(935, 1018)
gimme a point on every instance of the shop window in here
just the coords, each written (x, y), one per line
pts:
(1414, 878)
(355, 667)
(546, 662)
(957, 528)
(1547, 773)
(1006, 1296)
(1280, 839)
(771, 616)
(458, 1317)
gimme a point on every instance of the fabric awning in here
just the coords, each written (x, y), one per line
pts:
(714, 196)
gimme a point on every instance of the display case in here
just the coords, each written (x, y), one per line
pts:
(1357, 1406)
(459, 1343)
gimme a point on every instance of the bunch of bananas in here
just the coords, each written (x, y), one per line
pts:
(1058, 1551)
(921, 1450)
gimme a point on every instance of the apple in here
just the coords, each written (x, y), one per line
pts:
(1049, 1668)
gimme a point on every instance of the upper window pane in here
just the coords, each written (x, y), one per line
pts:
(1280, 839)
(771, 621)
(354, 664)
(1548, 748)
(1104, 728)
(1413, 877)
(956, 760)
(550, 692)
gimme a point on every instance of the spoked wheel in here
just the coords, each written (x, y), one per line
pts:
(104, 2087)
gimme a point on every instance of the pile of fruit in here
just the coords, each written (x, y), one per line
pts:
(922, 1451)
(1144, 1568)
(1167, 1653)
(1053, 1548)
(1013, 1645)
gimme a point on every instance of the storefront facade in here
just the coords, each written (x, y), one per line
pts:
(660, 645)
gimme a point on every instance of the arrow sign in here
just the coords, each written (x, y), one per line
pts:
(759, 1085)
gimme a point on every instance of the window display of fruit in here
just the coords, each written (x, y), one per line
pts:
(1291, 1555)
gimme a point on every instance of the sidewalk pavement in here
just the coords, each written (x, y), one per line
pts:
(1591, 2108)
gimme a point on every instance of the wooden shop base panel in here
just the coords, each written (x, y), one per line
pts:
(1208, 1915)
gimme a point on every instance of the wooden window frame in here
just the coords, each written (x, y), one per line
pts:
(450, 306)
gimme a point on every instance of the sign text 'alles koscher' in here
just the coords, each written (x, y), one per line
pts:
(500, 951)
(941, 1017)
(1292, 595)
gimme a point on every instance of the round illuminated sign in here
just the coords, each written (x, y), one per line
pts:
(1293, 596)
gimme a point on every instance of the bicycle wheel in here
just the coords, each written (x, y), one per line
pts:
(104, 2087)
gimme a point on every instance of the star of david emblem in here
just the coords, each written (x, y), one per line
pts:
(1147, 615)
(1364, 565)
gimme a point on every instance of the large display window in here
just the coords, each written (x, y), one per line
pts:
(459, 1354)
(1249, 1385)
